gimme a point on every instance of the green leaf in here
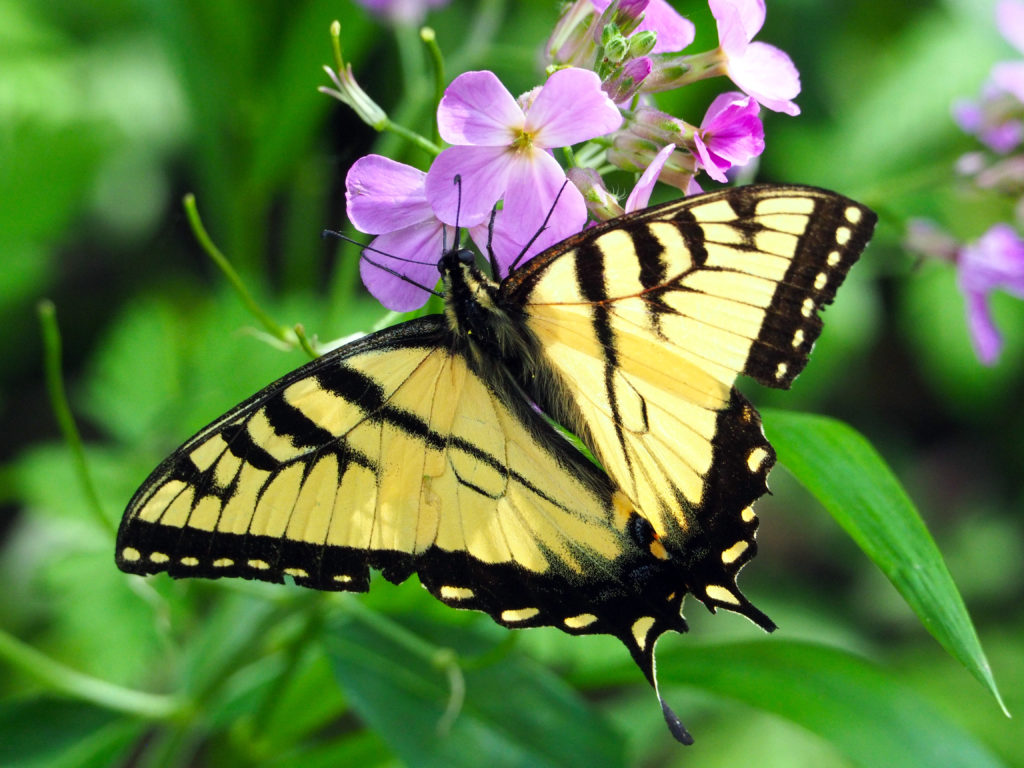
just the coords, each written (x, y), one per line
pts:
(845, 473)
(54, 733)
(358, 748)
(310, 700)
(844, 699)
(514, 713)
(291, 112)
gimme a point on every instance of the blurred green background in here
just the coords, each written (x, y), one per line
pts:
(111, 111)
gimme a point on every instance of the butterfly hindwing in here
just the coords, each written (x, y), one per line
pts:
(649, 319)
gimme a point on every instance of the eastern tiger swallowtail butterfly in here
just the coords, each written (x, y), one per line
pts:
(428, 447)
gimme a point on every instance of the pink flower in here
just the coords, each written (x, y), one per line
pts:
(502, 151)
(760, 70)
(995, 261)
(674, 31)
(641, 194)
(1008, 76)
(730, 134)
(1010, 21)
(387, 199)
(402, 11)
(989, 120)
(627, 80)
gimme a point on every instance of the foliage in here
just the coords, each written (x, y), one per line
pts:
(115, 109)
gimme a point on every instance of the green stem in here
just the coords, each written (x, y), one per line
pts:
(429, 38)
(275, 330)
(339, 60)
(412, 137)
(410, 58)
(486, 23)
(85, 687)
(307, 347)
(62, 410)
(412, 107)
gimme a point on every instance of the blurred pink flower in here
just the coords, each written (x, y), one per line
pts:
(995, 261)
(402, 11)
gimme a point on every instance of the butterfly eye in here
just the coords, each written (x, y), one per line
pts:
(466, 256)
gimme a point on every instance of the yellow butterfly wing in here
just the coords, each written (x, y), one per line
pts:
(648, 320)
(391, 453)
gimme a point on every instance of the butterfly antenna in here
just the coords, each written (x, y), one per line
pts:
(490, 239)
(457, 181)
(543, 226)
(405, 278)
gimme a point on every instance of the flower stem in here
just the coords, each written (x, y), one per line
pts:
(307, 347)
(70, 681)
(413, 138)
(429, 38)
(275, 330)
(62, 410)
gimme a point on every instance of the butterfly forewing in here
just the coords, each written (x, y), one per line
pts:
(649, 320)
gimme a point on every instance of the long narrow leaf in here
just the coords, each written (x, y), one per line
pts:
(846, 700)
(432, 713)
(845, 473)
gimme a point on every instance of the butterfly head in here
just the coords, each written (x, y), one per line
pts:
(454, 257)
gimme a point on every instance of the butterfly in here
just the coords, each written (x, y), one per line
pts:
(436, 446)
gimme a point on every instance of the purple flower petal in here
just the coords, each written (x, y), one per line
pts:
(767, 74)
(641, 194)
(533, 187)
(413, 252)
(477, 109)
(624, 85)
(1004, 137)
(714, 166)
(675, 32)
(570, 108)
(512, 232)
(996, 260)
(402, 11)
(1008, 76)
(733, 130)
(484, 172)
(984, 336)
(968, 114)
(382, 195)
(738, 21)
(1010, 21)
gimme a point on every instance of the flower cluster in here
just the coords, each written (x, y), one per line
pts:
(995, 261)
(500, 176)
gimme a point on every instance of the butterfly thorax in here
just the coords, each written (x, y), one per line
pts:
(489, 332)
